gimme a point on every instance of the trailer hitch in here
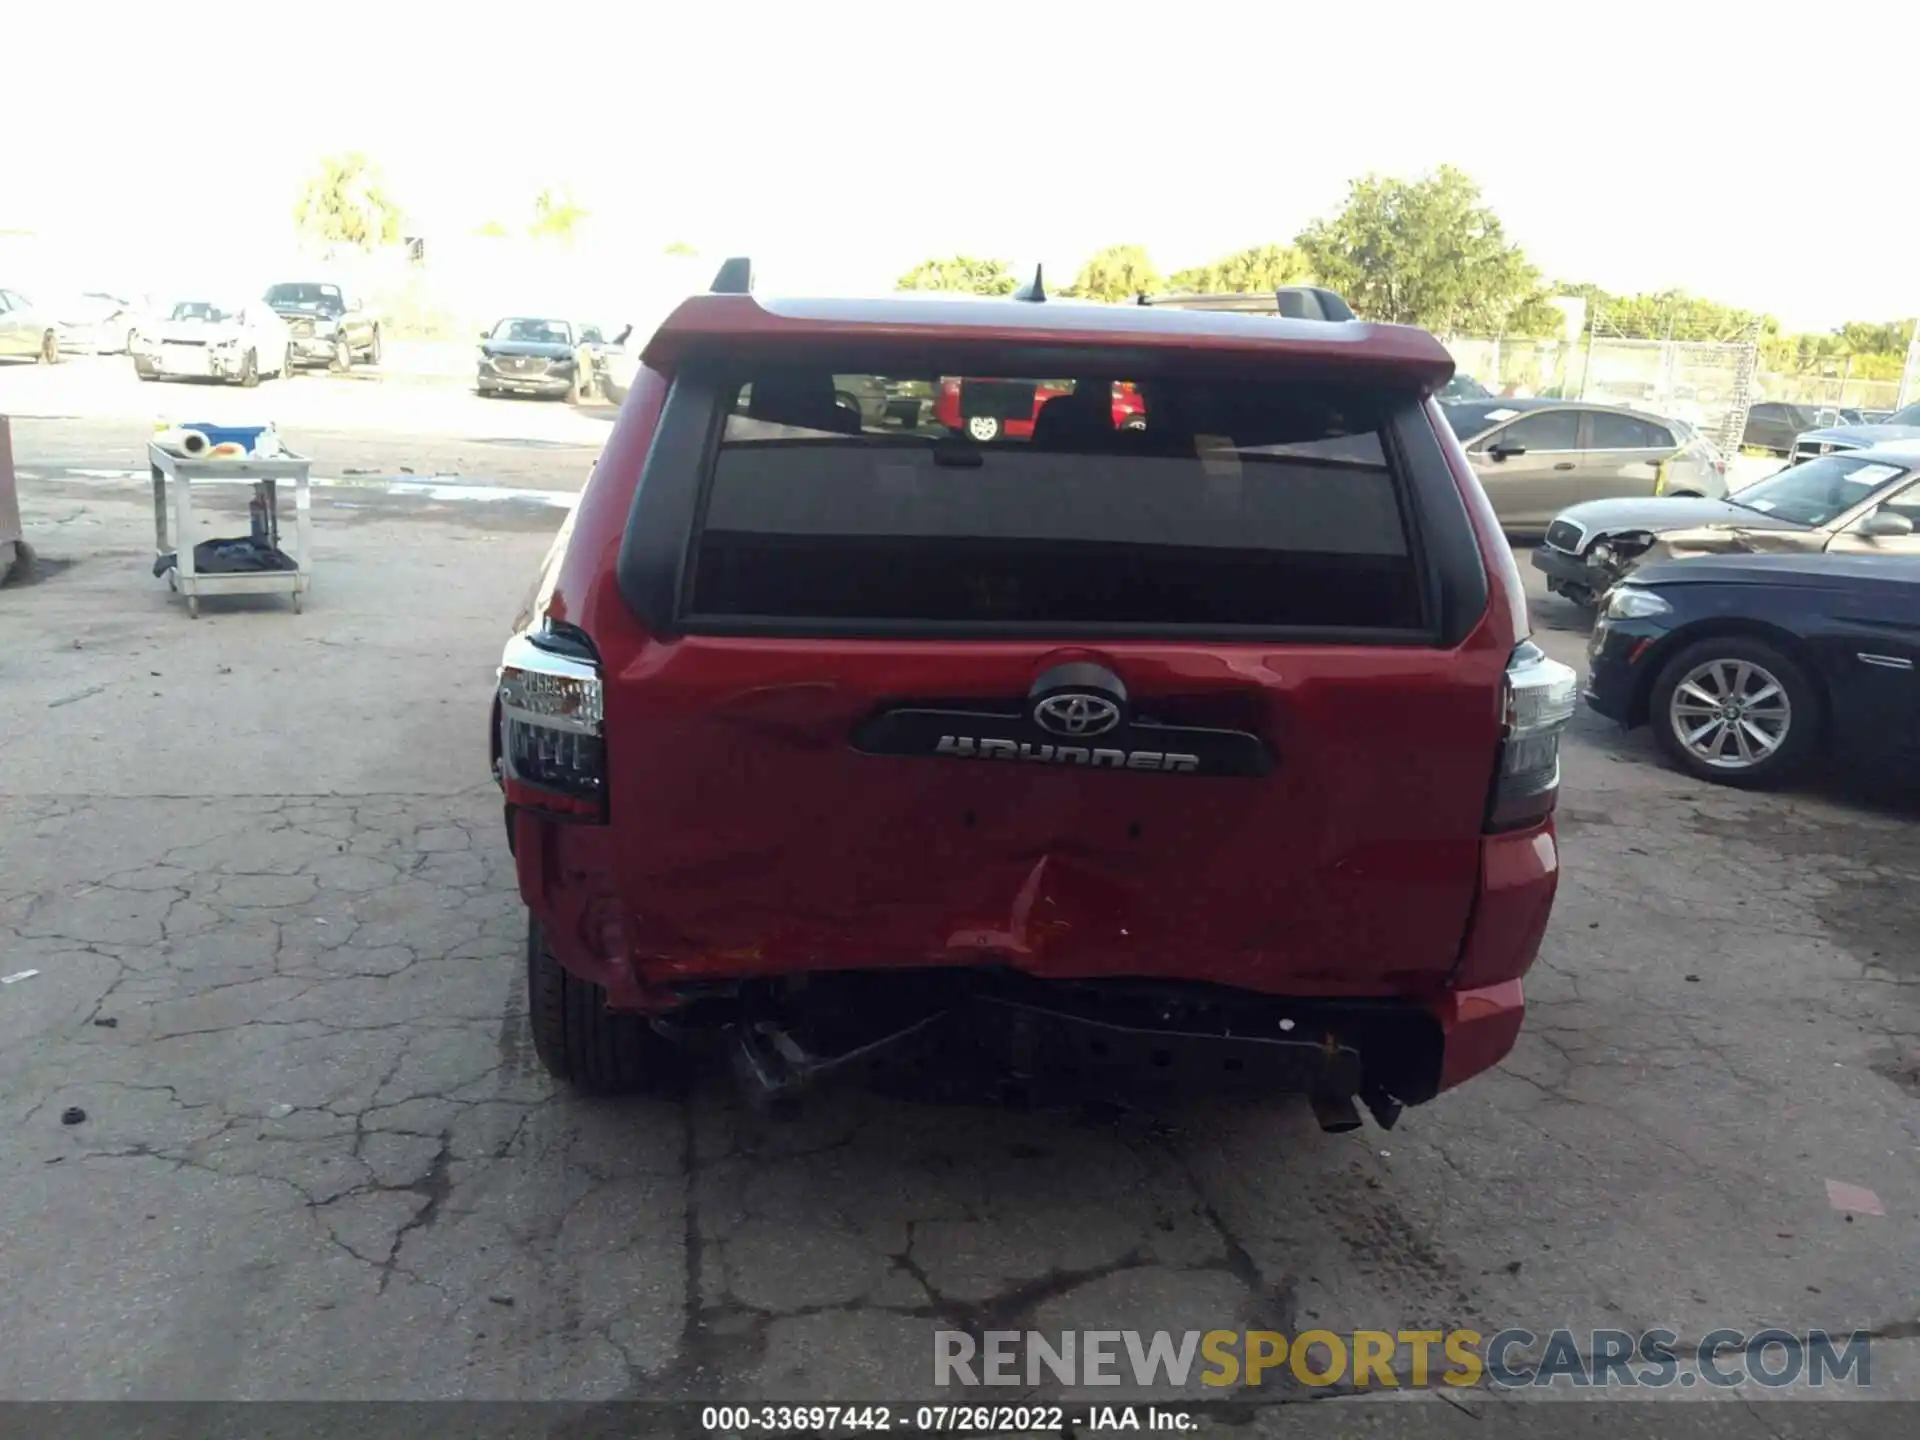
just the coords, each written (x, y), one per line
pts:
(773, 1067)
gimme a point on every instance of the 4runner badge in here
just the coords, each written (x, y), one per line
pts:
(966, 747)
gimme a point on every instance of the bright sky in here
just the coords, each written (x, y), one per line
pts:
(1727, 150)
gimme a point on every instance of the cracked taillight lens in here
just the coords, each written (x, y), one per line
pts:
(1539, 695)
(552, 753)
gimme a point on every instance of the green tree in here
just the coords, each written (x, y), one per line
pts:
(555, 217)
(492, 230)
(1672, 315)
(347, 204)
(681, 247)
(1427, 252)
(1117, 273)
(1867, 337)
(962, 273)
(1246, 272)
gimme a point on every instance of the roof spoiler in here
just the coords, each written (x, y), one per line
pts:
(1294, 302)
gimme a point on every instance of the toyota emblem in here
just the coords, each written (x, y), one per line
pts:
(1077, 716)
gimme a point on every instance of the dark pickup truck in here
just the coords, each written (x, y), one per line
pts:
(328, 324)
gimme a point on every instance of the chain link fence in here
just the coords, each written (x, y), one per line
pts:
(1830, 390)
(1708, 383)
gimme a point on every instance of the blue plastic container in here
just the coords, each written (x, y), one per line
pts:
(245, 436)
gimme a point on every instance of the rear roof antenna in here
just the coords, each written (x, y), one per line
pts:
(735, 277)
(1035, 292)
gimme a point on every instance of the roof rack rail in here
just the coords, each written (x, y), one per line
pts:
(735, 277)
(1311, 302)
(1294, 302)
(1033, 291)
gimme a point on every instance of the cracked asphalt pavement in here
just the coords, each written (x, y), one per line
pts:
(256, 867)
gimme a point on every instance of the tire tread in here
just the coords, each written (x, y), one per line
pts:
(577, 1038)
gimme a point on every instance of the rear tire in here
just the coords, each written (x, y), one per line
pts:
(983, 428)
(250, 370)
(373, 349)
(580, 1041)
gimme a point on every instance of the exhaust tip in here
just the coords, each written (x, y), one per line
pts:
(1336, 1113)
(1384, 1108)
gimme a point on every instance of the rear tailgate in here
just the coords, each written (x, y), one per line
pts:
(1263, 620)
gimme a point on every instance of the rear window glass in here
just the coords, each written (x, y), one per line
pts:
(1548, 430)
(1623, 432)
(1084, 500)
(1469, 417)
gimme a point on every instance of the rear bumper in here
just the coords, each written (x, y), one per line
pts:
(1412, 1041)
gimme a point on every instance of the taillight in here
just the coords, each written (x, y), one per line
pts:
(1539, 695)
(553, 755)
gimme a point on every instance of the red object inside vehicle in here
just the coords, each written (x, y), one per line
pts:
(953, 405)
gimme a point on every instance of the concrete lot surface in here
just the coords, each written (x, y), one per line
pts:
(255, 865)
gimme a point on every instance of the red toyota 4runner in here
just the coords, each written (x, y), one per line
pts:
(1213, 751)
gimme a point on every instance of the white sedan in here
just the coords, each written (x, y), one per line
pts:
(214, 340)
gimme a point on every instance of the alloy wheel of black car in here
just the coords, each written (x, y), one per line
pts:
(579, 1040)
(1736, 711)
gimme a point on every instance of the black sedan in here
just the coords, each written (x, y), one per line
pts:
(1749, 666)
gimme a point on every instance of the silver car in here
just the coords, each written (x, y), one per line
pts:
(100, 321)
(25, 333)
(1536, 457)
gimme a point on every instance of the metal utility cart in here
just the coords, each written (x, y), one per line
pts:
(183, 474)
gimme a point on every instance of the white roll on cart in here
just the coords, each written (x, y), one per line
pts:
(270, 570)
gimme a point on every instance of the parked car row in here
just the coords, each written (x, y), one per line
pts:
(1757, 631)
(1898, 425)
(1777, 426)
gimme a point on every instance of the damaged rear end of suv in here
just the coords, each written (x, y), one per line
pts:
(1210, 754)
